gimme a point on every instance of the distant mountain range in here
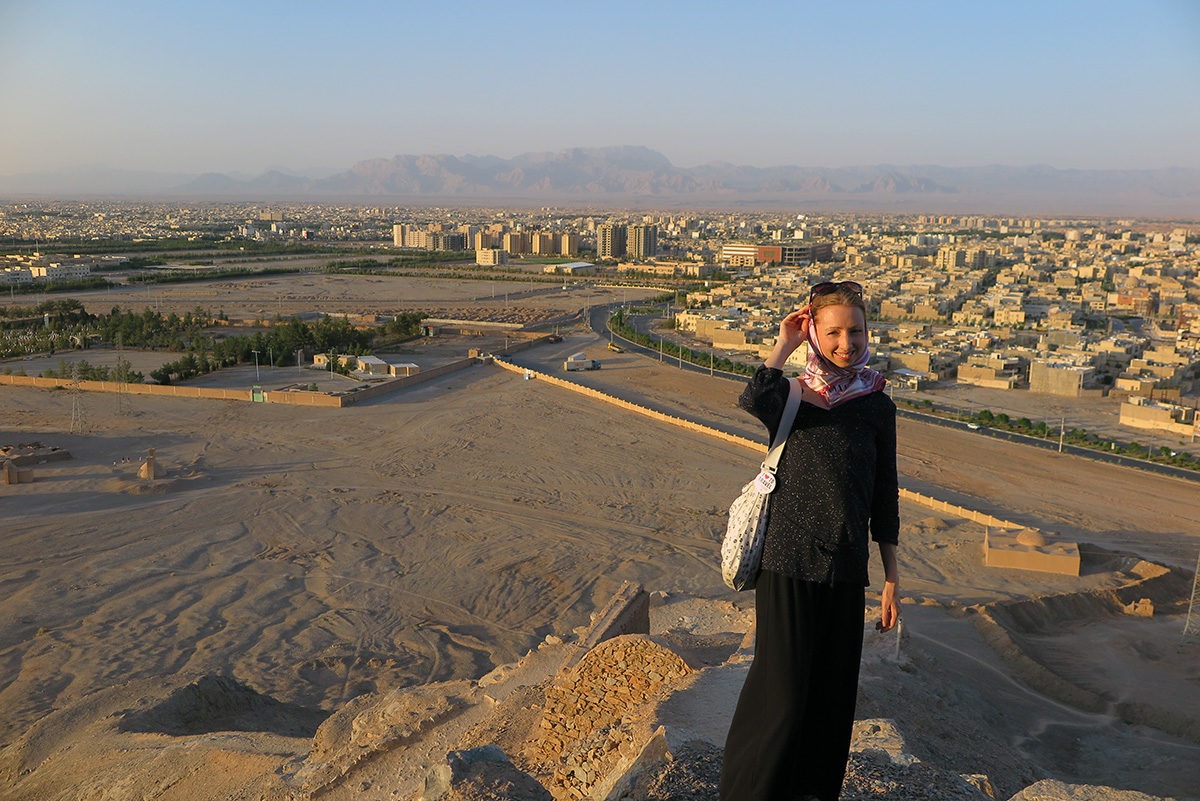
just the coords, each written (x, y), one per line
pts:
(640, 177)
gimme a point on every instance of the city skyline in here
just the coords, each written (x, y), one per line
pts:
(243, 89)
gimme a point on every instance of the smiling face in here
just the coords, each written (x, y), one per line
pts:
(841, 332)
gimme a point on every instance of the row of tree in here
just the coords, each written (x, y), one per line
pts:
(85, 371)
(278, 344)
(282, 344)
(1070, 436)
(618, 324)
(67, 309)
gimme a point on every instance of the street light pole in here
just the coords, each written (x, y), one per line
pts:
(255, 364)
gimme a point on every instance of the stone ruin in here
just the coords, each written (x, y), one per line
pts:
(1029, 549)
(30, 453)
(1143, 607)
(592, 728)
(10, 473)
(17, 461)
(150, 469)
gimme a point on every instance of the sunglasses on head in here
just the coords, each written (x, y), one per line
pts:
(826, 287)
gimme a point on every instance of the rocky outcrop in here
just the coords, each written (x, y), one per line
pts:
(478, 773)
(1051, 790)
(594, 719)
(636, 716)
(221, 703)
(373, 725)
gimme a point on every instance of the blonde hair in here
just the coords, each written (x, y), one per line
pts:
(839, 296)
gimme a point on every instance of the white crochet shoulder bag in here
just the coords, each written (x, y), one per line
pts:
(742, 547)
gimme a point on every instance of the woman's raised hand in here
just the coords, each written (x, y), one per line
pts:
(794, 328)
(792, 333)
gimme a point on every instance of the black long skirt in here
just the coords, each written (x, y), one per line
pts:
(790, 734)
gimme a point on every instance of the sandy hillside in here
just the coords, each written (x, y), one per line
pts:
(324, 554)
(317, 555)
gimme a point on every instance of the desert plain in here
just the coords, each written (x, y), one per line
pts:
(320, 555)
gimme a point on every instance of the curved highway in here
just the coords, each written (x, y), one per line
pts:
(599, 324)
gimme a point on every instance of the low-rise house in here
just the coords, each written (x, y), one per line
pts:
(991, 370)
(1139, 412)
(935, 365)
(372, 365)
(1063, 378)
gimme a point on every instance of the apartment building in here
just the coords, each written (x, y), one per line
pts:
(60, 272)
(543, 243)
(569, 244)
(446, 241)
(16, 275)
(611, 241)
(490, 257)
(516, 243)
(739, 254)
(486, 240)
(801, 255)
(642, 241)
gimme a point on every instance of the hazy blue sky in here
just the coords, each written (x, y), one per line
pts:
(242, 86)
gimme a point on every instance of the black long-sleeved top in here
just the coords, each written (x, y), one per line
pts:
(837, 482)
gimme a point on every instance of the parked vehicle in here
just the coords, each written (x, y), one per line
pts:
(580, 361)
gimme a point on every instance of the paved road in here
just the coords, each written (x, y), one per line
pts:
(599, 324)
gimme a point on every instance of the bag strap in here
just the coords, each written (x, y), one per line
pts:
(785, 426)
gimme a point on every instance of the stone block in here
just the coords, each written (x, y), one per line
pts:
(1140, 608)
(1029, 549)
(483, 772)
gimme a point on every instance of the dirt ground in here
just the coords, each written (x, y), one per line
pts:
(289, 294)
(319, 554)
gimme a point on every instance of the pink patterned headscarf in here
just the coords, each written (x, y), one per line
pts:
(838, 384)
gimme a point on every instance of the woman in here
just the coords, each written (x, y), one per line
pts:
(790, 735)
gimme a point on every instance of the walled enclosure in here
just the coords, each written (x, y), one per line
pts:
(1002, 552)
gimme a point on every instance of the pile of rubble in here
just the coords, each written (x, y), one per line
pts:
(594, 717)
